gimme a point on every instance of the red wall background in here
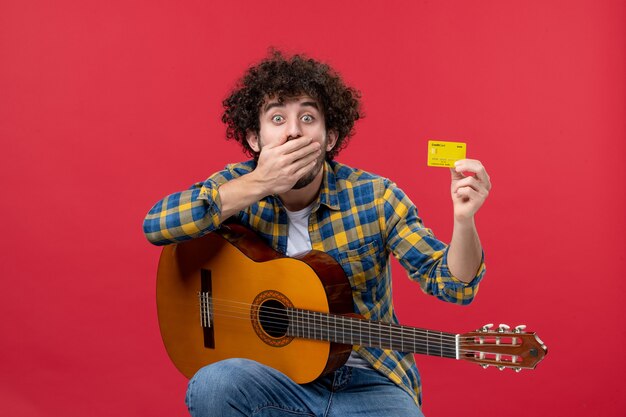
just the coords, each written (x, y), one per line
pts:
(107, 106)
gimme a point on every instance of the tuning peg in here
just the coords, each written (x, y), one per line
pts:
(540, 342)
(484, 365)
(520, 328)
(503, 328)
(486, 327)
(518, 369)
(501, 368)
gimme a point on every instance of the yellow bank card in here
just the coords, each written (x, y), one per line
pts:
(445, 154)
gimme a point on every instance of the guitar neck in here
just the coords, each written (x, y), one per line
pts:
(355, 331)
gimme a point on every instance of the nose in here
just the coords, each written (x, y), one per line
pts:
(293, 129)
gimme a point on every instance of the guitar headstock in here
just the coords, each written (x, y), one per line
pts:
(503, 347)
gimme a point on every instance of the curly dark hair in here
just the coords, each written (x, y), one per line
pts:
(283, 77)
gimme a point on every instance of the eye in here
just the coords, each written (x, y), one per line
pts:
(307, 118)
(277, 118)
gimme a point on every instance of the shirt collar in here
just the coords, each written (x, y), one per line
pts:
(328, 191)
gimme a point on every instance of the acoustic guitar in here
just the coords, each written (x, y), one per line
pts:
(229, 295)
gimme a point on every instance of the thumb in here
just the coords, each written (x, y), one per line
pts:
(456, 175)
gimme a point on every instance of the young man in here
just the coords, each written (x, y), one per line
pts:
(293, 115)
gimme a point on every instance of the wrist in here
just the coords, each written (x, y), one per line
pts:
(257, 188)
(463, 222)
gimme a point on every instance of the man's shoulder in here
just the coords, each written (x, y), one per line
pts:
(241, 168)
(364, 183)
(234, 170)
(354, 176)
(231, 171)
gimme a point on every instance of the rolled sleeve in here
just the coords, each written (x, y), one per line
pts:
(209, 192)
(191, 213)
(452, 289)
(181, 216)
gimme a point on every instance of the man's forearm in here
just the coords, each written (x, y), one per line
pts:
(239, 193)
(465, 251)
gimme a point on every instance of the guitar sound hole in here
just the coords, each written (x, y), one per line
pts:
(273, 318)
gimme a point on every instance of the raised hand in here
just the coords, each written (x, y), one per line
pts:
(282, 163)
(470, 187)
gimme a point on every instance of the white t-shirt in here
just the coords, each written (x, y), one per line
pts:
(298, 242)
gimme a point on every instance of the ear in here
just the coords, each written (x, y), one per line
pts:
(332, 140)
(253, 140)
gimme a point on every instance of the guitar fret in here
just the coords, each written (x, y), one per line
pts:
(351, 334)
(316, 327)
(355, 331)
(319, 327)
(327, 328)
(308, 327)
(441, 344)
(301, 324)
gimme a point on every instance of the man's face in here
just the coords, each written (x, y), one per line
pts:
(295, 117)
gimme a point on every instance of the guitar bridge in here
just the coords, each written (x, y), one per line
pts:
(205, 298)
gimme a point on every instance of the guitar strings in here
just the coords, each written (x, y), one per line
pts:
(419, 347)
(320, 316)
(429, 334)
(280, 312)
(392, 337)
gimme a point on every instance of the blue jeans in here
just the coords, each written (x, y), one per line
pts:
(241, 387)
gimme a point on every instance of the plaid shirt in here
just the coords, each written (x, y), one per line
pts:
(359, 219)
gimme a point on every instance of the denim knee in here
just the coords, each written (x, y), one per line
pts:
(221, 383)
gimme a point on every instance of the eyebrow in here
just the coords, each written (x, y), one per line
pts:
(270, 106)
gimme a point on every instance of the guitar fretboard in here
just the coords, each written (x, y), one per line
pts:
(354, 331)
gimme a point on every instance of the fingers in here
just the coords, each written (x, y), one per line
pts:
(313, 148)
(289, 145)
(296, 152)
(467, 182)
(467, 194)
(305, 159)
(468, 189)
(473, 166)
(293, 150)
(306, 168)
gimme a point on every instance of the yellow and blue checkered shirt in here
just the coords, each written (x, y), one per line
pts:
(359, 219)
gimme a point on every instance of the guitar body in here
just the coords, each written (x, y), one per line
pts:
(238, 272)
